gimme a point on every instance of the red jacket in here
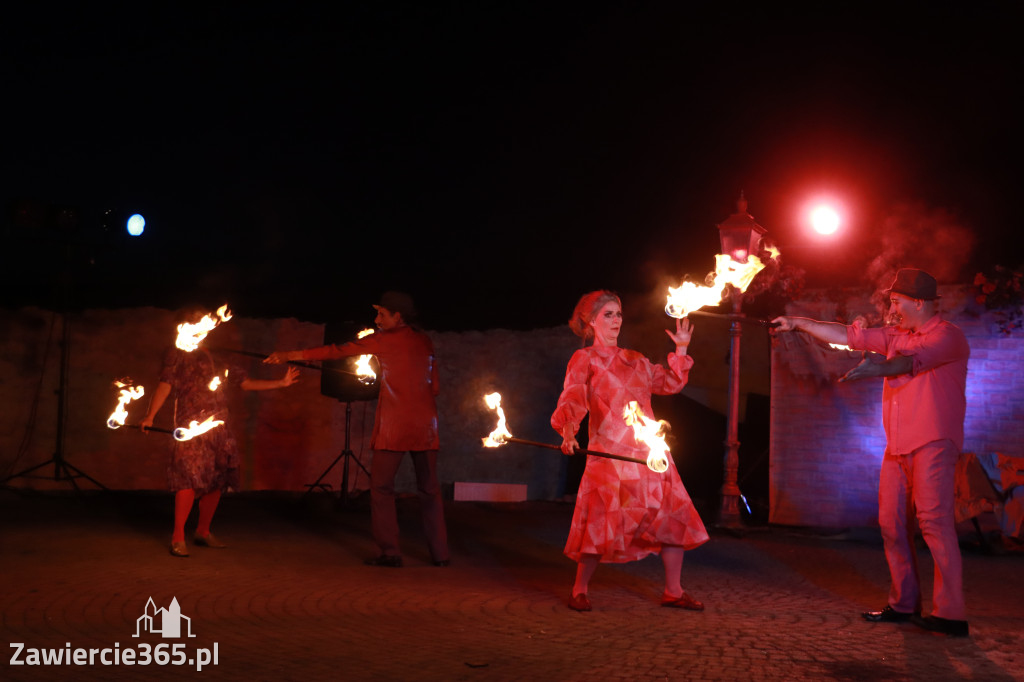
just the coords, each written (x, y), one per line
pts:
(406, 417)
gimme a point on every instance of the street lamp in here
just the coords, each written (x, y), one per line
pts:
(741, 237)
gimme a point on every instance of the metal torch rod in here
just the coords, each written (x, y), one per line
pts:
(151, 428)
(733, 316)
(252, 354)
(595, 453)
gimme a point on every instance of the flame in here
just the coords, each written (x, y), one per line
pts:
(651, 433)
(684, 299)
(500, 435)
(191, 335)
(364, 372)
(215, 382)
(128, 393)
(195, 428)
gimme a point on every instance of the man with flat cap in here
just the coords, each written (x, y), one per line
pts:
(405, 421)
(923, 407)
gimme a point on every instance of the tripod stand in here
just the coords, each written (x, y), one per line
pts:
(62, 471)
(346, 455)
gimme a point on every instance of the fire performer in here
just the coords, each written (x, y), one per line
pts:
(623, 511)
(208, 464)
(923, 408)
(405, 421)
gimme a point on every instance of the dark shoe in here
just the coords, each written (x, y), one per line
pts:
(685, 601)
(579, 602)
(208, 541)
(388, 560)
(443, 562)
(887, 615)
(179, 549)
(944, 626)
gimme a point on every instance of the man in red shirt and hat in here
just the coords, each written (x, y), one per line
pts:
(405, 421)
(923, 407)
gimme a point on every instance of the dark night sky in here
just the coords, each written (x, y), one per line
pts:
(497, 162)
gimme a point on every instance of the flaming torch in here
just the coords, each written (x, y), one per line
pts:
(196, 429)
(651, 433)
(191, 335)
(364, 372)
(500, 436)
(127, 394)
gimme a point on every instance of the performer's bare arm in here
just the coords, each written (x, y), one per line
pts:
(163, 389)
(829, 332)
(291, 376)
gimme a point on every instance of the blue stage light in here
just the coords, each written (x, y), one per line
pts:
(136, 225)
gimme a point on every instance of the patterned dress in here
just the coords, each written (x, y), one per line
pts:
(624, 511)
(207, 462)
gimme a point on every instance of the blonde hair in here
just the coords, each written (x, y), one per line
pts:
(587, 307)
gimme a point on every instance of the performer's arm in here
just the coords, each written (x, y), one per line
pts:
(291, 375)
(870, 367)
(829, 332)
(163, 389)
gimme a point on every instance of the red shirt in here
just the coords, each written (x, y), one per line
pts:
(928, 404)
(406, 417)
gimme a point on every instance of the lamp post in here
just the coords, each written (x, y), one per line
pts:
(740, 236)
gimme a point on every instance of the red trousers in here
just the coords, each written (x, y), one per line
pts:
(383, 514)
(918, 490)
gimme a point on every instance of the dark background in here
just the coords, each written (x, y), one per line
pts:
(496, 160)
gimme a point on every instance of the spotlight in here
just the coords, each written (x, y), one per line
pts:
(136, 225)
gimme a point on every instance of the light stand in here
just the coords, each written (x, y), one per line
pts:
(62, 471)
(344, 457)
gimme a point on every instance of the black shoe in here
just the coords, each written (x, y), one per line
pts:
(887, 615)
(388, 560)
(945, 626)
(443, 562)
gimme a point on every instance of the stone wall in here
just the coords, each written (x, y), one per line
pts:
(287, 437)
(826, 438)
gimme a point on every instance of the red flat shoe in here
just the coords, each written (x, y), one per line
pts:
(579, 602)
(684, 601)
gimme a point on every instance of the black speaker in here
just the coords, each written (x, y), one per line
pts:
(341, 379)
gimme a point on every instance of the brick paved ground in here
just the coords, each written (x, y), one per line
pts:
(291, 599)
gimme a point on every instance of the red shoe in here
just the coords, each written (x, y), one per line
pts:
(684, 601)
(579, 602)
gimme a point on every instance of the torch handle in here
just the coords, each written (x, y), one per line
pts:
(252, 354)
(151, 428)
(595, 453)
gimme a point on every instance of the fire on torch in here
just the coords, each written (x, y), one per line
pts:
(689, 297)
(657, 462)
(364, 372)
(191, 335)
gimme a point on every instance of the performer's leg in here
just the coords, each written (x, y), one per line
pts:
(182, 507)
(431, 503)
(672, 559)
(584, 572)
(207, 506)
(383, 515)
(896, 521)
(934, 470)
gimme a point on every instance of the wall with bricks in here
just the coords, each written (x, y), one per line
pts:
(287, 437)
(826, 438)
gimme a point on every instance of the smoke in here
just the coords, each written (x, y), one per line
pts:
(913, 236)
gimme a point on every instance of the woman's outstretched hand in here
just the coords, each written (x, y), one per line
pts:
(683, 333)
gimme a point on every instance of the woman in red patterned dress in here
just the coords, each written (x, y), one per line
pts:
(624, 510)
(207, 465)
